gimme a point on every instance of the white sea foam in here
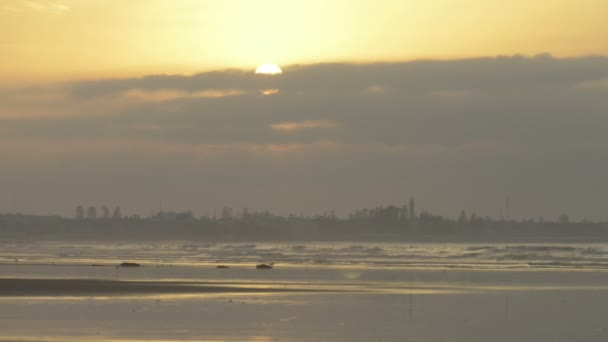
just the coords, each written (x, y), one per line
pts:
(372, 254)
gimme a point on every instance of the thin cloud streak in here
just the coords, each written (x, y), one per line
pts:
(169, 95)
(47, 6)
(302, 125)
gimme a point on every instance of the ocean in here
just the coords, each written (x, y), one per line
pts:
(58, 291)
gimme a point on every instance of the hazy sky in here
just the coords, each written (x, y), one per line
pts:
(133, 102)
(42, 39)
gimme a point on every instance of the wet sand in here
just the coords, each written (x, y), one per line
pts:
(12, 287)
(523, 316)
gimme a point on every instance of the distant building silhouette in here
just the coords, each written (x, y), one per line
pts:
(117, 214)
(473, 218)
(105, 212)
(226, 213)
(173, 216)
(462, 218)
(80, 212)
(412, 209)
(403, 214)
(92, 213)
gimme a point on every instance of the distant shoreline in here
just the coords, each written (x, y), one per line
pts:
(52, 235)
(269, 228)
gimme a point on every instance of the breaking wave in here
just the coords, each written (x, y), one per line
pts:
(372, 254)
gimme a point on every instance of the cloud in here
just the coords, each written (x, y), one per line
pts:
(478, 74)
(302, 125)
(269, 91)
(167, 95)
(539, 100)
(601, 84)
(54, 7)
(376, 89)
(463, 130)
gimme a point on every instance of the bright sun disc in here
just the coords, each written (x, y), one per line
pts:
(268, 69)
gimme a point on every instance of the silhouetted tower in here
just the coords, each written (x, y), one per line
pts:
(105, 212)
(117, 213)
(462, 218)
(508, 205)
(412, 209)
(80, 212)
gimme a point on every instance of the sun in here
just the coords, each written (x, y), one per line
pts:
(268, 69)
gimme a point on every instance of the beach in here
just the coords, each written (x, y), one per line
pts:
(359, 293)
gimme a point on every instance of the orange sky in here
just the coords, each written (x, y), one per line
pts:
(65, 39)
(461, 132)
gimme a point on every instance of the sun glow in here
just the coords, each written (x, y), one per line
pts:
(269, 91)
(268, 69)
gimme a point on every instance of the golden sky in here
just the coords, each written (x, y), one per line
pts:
(460, 132)
(63, 39)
